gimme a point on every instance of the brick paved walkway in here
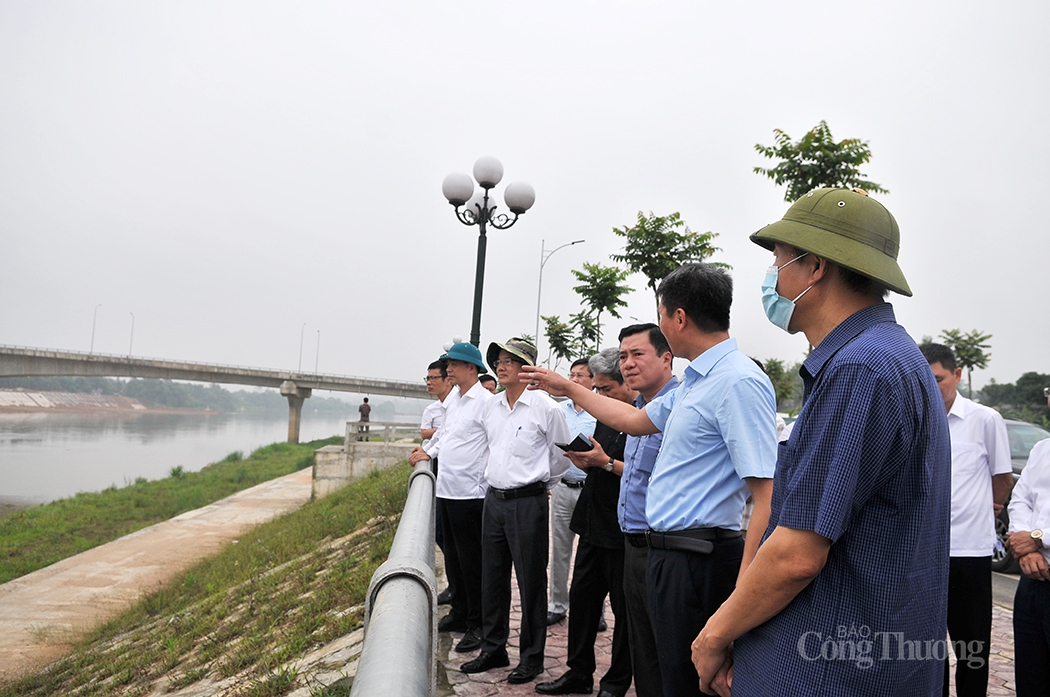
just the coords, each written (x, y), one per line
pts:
(494, 682)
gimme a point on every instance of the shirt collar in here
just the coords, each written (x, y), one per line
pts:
(845, 332)
(474, 391)
(640, 402)
(960, 407)
(525, 398)
(702, 364)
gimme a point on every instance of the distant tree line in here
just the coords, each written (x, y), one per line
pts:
(1022, 400)
(178, 395)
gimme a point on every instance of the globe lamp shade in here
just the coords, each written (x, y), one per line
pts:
(488, 171)
(519, 197)
(457, 188)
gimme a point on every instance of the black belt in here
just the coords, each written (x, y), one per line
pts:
(699, 540)
(573, 485)
(521, 492)
(636, 539)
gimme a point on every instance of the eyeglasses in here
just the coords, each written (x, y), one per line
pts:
(508, 362)
(432, 378)
(580, 376)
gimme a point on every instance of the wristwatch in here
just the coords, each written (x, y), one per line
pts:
(610, 464)
(1037, 535)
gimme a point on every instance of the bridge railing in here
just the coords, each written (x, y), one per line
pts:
(399, 655)
(293, 374)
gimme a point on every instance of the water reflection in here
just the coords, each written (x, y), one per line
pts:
(49, 456)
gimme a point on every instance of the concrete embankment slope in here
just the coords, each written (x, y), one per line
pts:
(43, 612)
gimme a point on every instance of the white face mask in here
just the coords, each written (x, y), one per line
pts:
(779, 309)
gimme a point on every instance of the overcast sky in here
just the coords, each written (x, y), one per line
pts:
(227, 172)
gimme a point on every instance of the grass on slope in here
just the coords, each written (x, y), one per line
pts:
(37, 537)
(236, 621)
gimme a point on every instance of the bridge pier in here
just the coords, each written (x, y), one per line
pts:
(296, 396)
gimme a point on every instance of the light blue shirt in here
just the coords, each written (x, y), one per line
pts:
(719, 426)
(639, 456)
(580, 423)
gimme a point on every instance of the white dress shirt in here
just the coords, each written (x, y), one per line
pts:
(1030, 500)
(980, 449)
(580, 423)
(521, 441)
(462, 445)
(433, 415)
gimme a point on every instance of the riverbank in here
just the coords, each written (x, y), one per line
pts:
(249, 620)
(25, 401)
(38, 536)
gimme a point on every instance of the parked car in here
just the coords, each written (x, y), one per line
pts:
(1023, 436)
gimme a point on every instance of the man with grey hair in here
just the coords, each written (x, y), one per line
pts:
(600, 552)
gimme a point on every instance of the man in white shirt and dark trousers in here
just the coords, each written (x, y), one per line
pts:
(564, 498)
(1029, 519)
(438, 385)
(523, 465)
(462, 446)
(982, 476)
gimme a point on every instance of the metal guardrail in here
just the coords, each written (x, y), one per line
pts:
(399, 656)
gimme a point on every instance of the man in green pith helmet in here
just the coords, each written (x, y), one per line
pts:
(847, 593)
(522, 466)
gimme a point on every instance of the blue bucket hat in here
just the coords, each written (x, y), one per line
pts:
(468, 353)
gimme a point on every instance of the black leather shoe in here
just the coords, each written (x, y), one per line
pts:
(487, 661)
(567, 684)
(602, 626)
(471, 641)
(524, 673)
(445, 597)
(606, 693)
(448, 623)
(554, 617)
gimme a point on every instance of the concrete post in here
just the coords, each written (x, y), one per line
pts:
(296, 396)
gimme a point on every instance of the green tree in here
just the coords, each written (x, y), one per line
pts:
(817, 161)
(1029, 390)
(586, 329)
(659, 244)
(602, 290)
(559, 339)
(970, 351)
(785, 383)
(995, 394)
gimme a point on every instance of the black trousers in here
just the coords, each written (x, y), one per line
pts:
(685, 589)
(598, 571)
(969, 623)
(644, 659)
(515, 531)
(1032, 638)
(461, 523)
(439, 537)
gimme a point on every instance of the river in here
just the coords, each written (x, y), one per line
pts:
(44, 456)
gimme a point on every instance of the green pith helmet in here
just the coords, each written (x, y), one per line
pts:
(844, 226)
(515, 346)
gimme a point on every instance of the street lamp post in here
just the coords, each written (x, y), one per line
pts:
(544, 256)
(131, 341)
(302, 333)
(478, 210)
(94, 319)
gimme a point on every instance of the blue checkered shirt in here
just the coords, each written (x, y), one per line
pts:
(868, 466)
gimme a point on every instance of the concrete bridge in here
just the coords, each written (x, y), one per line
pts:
(20, 361)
